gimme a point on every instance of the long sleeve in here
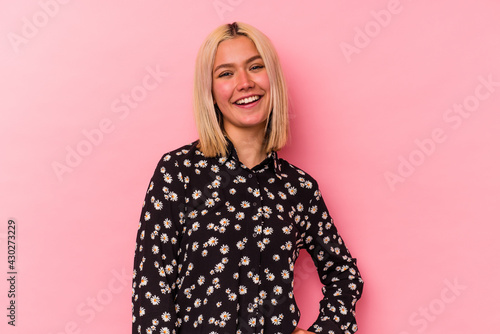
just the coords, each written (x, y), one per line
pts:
(157, 249)
(217, 244)
(337, 271)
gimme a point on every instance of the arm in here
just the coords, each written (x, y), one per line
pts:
(336, 268)
(157, 246)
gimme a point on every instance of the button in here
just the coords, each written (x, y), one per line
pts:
(250, 176)
(255, 235)
(254, 203)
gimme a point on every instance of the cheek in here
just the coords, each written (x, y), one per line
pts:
(263, 82)
(221, 92)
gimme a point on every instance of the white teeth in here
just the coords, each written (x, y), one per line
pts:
(248, 99)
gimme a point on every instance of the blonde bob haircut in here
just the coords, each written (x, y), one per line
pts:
(212, 141)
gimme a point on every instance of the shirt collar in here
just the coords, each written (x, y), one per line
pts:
(272, 160)
(276, 163)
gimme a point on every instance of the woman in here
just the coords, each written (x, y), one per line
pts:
(224, 218)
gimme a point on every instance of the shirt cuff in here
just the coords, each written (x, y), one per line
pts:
(325, 325)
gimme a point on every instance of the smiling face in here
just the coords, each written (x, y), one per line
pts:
(240, 85)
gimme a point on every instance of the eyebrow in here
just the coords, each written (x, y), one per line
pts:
(249, 60)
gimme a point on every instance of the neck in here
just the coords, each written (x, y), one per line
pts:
(249, 145)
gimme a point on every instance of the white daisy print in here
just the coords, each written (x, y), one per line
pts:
(217, 243)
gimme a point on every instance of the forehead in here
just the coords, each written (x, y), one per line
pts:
(235, 50)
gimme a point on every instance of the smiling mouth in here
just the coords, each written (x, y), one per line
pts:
(247, 100)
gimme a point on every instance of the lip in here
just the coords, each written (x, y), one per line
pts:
(249, 104)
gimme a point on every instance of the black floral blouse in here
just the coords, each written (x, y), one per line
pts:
(217, 244)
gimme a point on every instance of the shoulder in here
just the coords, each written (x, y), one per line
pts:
(292, 172)
(184, 152)
(182, 156)
(172, 162)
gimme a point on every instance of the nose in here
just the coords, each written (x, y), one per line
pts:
(245, 81)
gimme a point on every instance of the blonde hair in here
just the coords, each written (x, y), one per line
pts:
(212, 141)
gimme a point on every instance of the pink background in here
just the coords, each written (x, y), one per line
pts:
(376, 90)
